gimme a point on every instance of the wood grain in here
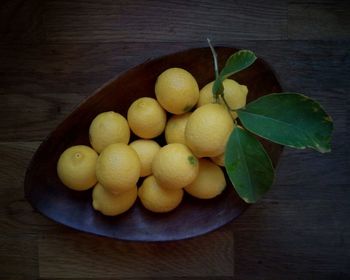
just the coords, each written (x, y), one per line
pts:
(90, 256)
(298, 229)
(41, 112)
(21, 21)
(159, 21)
(318, 20)
(53, 54)
(309, 167)
(18, 257)
(16, 215)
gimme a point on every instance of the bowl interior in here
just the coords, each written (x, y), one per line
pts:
(193, 217)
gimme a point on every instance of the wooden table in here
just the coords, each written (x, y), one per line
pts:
(53, 54)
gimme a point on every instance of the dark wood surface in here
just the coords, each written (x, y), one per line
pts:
(53, 54)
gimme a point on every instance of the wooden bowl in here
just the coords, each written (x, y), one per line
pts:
(193, 217)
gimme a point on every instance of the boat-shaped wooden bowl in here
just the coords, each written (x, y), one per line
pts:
(193, 217)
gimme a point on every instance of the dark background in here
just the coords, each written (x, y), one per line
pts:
(53, 54)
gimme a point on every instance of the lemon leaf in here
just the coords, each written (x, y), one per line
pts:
(237, 62)
(248, 165)
(290, 119)
(218, 88)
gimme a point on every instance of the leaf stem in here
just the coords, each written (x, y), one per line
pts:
(215, 59)
(228, 108)
(217, 86)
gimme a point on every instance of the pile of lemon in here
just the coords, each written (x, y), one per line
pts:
(190, 161)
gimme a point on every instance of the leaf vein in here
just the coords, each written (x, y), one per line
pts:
(245, 164)
(283, 122)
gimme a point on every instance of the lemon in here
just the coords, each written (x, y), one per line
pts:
(108, 128)
(234, 93)
(76, 167)
(158, 199)
(177, 90)
(146, 117)
(112, 204)
(208, 129)
(175, 128)
(118, 168)
(210, 181)
(146, 150)
(174, 166)
(219, 160)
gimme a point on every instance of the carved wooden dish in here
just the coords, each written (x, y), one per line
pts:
(193, 217)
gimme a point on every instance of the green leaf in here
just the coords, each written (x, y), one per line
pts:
(289, 119)
(237, 62)
(248, 165)
(218, 88)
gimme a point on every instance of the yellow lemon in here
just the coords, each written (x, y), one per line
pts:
(208, 129)
(146, 150)
(118, 168)
(234, 93)
(175, 128)
(210, 181)
(174, 166)
(108, 128)
(146, 117)
(76, 167)
(219, 160)
(177, 90)
(158, 199)
(113, 204)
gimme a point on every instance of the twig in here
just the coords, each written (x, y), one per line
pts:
(215, 58)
